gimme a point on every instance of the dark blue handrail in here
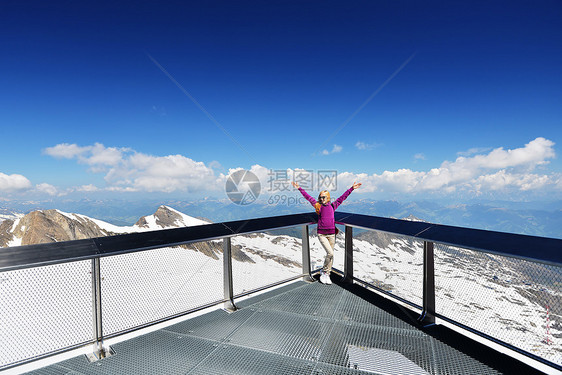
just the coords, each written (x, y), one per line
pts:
(536, 249)
(67, 251)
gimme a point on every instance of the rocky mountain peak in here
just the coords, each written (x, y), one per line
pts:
(46, 226)
(167, 217)
(6, 232)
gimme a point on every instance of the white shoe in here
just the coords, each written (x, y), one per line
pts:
(322, 277)
(327, 279)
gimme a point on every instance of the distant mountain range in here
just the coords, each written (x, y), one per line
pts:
(538, 219)
(511, 218)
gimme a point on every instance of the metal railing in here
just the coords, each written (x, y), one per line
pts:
(506, 288)
(118, 284)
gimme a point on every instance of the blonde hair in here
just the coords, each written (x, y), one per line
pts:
(318, 204)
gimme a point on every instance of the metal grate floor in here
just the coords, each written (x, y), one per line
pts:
(301, 328)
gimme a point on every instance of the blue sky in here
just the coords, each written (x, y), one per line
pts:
(136, 98)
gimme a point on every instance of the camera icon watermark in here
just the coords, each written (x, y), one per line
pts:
(243, 187)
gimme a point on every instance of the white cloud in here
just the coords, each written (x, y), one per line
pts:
(64, 150)
(361, 145)
(161, 173)
(47, 188)
(533, 154)
(498, 170)
(335, 149)
(13, 183)
(87, 188)
(128, 170)
(215, 165)
(502, 179)
(366, 146)
(97, 155)
(119, 189)
(419, 156)
(473, 151)
(101, 155)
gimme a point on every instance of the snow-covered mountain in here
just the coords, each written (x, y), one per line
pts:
(167, 217)
(44, 226)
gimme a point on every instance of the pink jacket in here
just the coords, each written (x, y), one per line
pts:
(326, 220)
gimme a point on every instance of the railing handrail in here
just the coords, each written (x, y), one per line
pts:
(19, 257)
(532, 248)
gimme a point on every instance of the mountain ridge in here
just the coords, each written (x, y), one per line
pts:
(45, 226)
(542, 219)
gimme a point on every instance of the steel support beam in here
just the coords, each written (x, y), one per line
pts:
(306, 255)
(227, 275)
(348, 260)
(427, 316)
(99, 351)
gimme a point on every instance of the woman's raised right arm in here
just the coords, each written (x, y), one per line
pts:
(304, 193)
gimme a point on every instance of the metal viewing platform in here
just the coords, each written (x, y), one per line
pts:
(411, 298)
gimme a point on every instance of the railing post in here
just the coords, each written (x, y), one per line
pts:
(227, 275)
(306, 255)
(99, 351)
(348, 260)
(427, 316)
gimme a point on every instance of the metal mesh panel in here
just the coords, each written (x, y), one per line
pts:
(355, 309)
(347, 340)
(327, 369)
(160, 352)
(321, 303)
(452, 362)
(216, 325)
(44, 309)
(387, 350)
(391, 262)
(228, 359)
(272, 293)
(150, 285)
(53, 370)
(260, 259)
(516, 301)
(283, 333)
